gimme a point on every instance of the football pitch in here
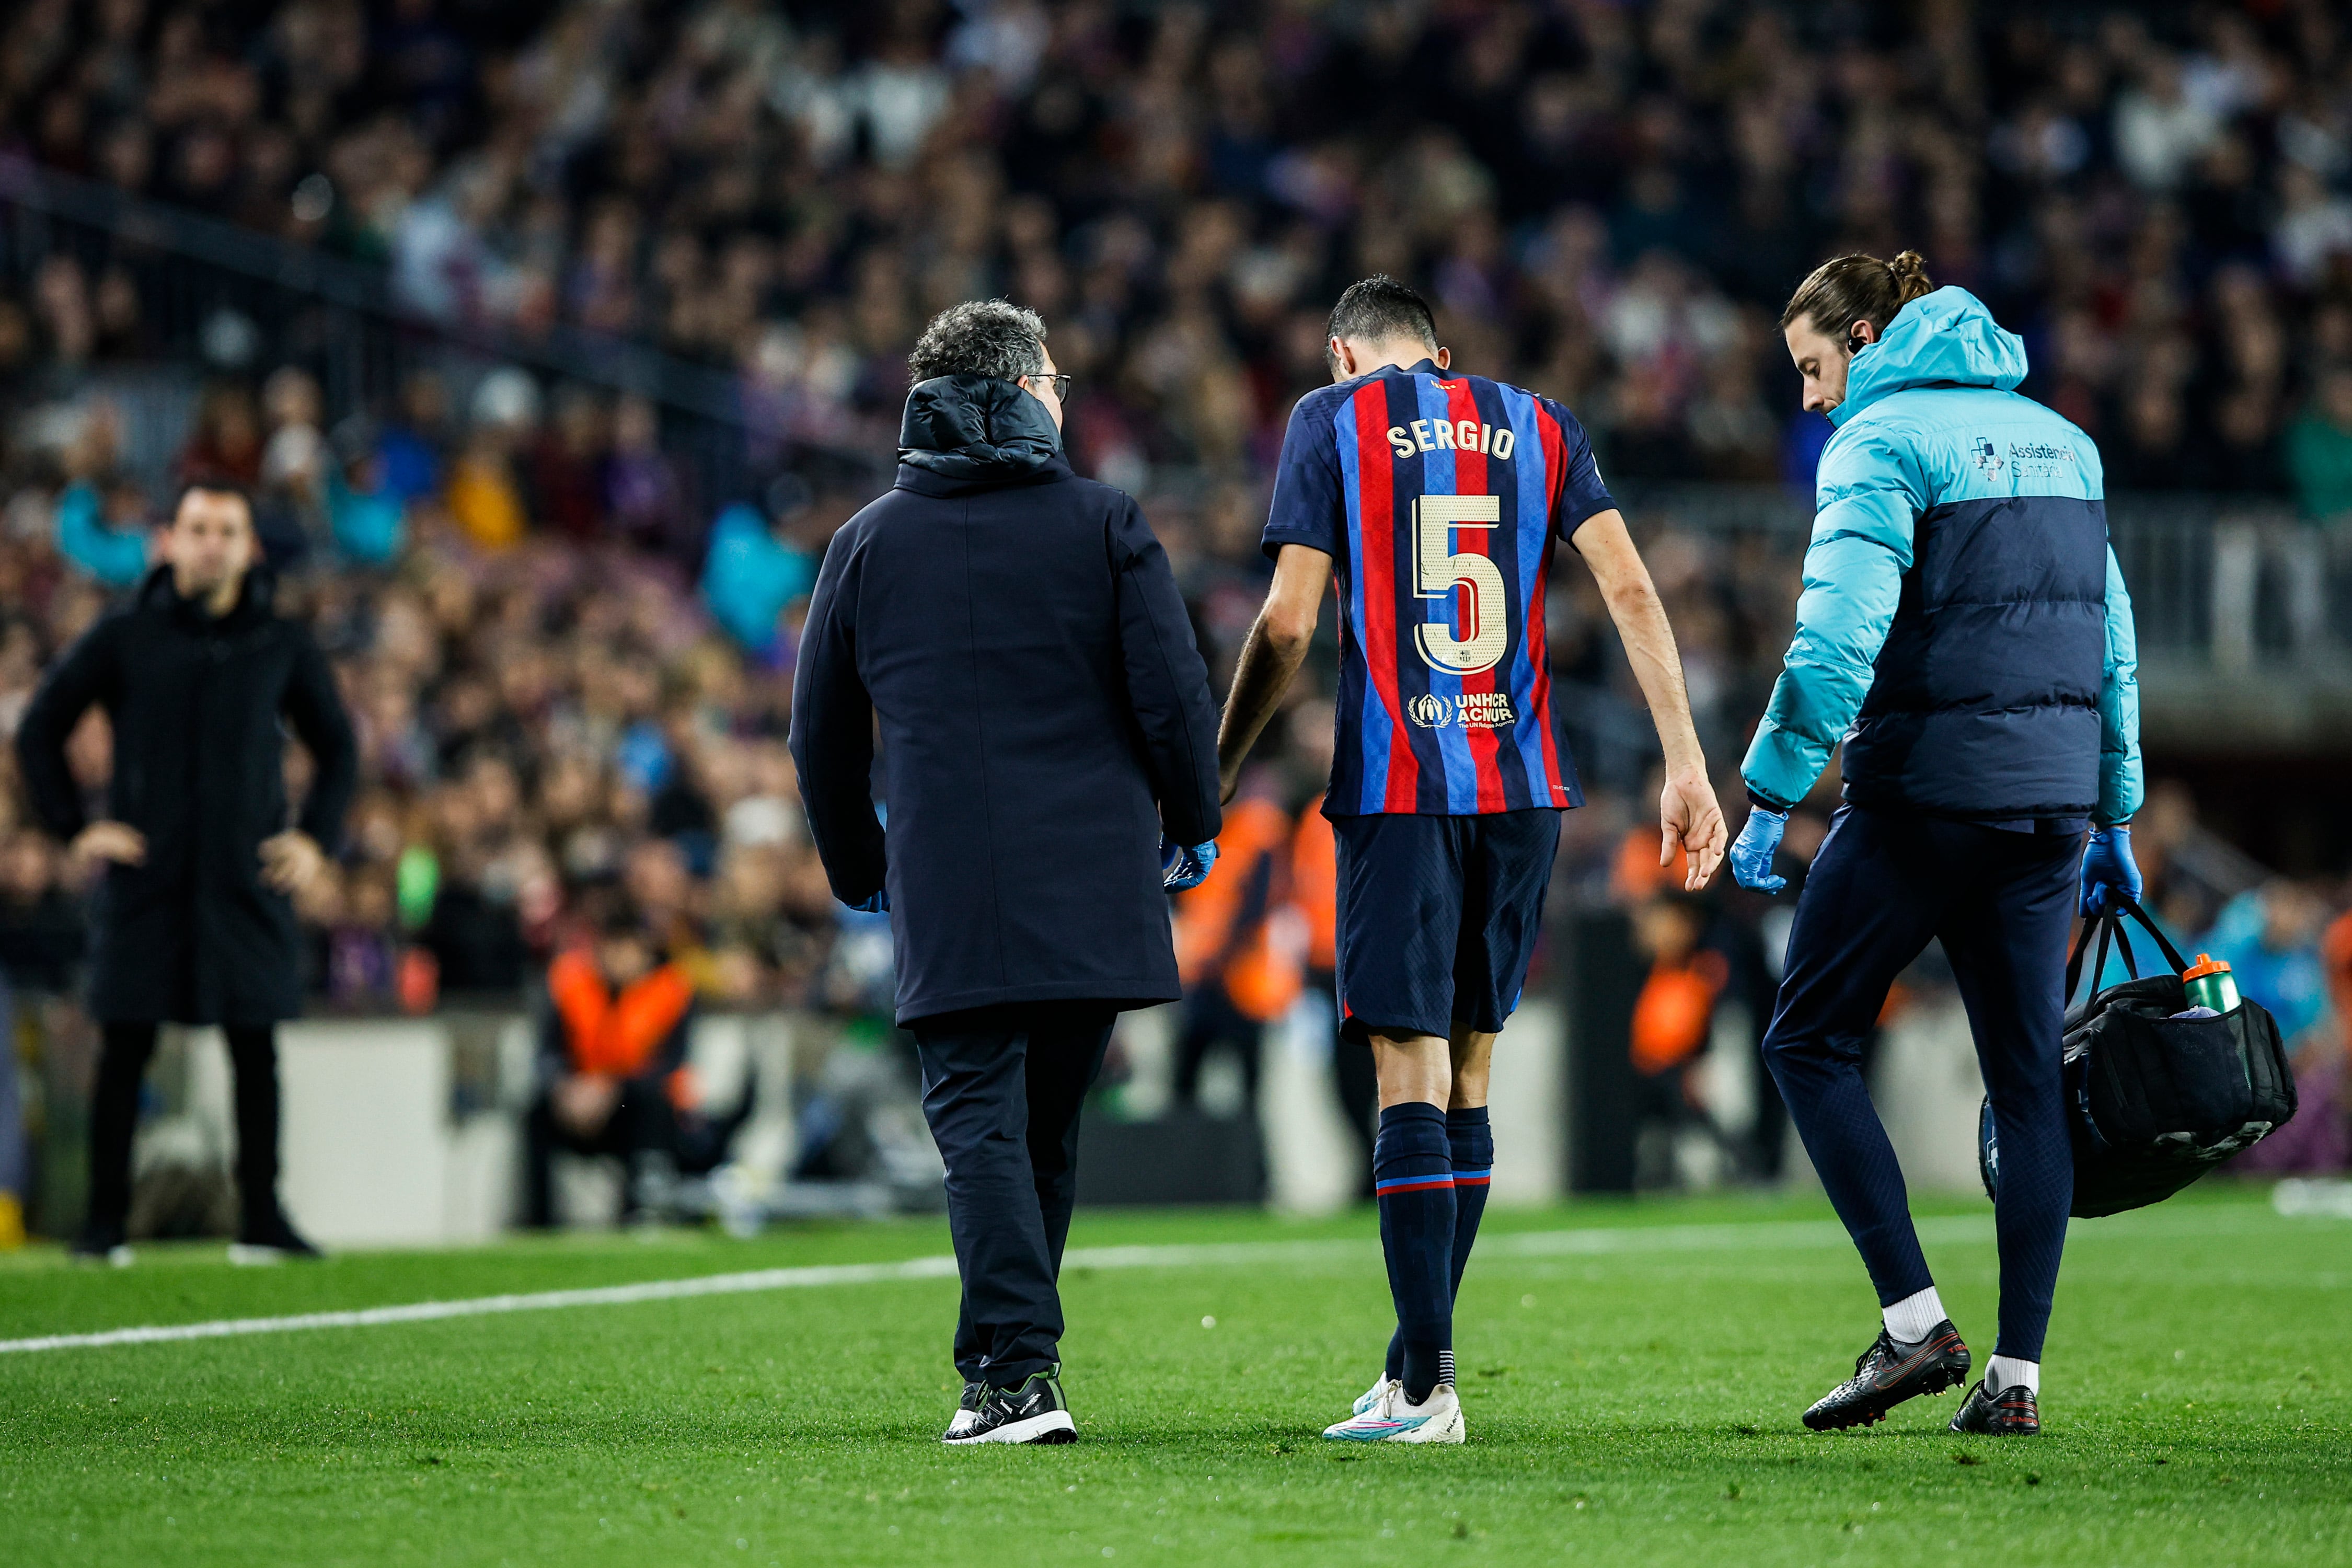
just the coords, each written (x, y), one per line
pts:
(1632, 1375)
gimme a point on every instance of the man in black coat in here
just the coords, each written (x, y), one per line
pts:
(1046, 731)
(194, 922)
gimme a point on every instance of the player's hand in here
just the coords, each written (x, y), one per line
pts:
(1759, 840)
(1183, 866)
(2108, 866)
(117, 841)
(879, 904)
(291, 860)
(1690, 819)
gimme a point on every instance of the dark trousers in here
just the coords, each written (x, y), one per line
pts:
(1211, 1020)
(1001, 1089)
(1883, 885)
(123, 1054)
(643, 1122)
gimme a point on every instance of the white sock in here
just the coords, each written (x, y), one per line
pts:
(1911, 1319)
(2003, 1372)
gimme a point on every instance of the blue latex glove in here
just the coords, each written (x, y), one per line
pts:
(2108, 863)
(1752, 851)
(1182, 866)
(879, 904)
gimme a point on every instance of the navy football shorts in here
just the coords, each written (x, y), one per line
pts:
(1438, 918)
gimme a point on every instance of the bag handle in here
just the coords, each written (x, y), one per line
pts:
(2131, 907)
(2111, 927)
(2105, 925)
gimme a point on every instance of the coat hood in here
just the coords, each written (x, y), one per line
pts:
(1944, 339)
(976, 427)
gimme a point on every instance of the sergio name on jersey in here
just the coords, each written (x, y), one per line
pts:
(1439, 499)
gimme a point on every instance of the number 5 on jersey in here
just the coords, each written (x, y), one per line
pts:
(1438, 571)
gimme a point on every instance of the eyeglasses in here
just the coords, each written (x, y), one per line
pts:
(1061, 384)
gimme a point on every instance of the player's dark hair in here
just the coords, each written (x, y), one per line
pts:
(980, 337)
(1379, 307)
(1849, 288)
(213, 485)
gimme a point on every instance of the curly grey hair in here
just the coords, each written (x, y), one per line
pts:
(980, 337)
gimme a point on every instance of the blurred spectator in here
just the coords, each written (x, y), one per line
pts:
(117, 556)
(567, 469)
(643, 496)
(755, 568)
(1237, 948)
(485, 495)
(1673, 1018)
(42, 931)
(102, 522)
(613, 1073)
(226, 444)
(2270, 938)
(2319, 448)
(411, 444)
(366, 517)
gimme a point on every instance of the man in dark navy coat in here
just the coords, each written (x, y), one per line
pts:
(1047, 728)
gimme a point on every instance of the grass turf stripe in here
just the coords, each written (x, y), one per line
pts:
(1769, 1235)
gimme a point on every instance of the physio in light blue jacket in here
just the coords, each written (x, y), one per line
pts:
(1965, 634)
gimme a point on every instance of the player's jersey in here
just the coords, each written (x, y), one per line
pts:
(1439, 499)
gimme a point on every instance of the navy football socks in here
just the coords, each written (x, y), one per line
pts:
(1471, 1140)
(1413, 1179)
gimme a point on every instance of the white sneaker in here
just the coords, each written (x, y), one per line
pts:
(1396, 1419)
(1373, 1395)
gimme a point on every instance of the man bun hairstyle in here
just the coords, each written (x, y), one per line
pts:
(980, 337)
(1379, 308)
(1850, 289)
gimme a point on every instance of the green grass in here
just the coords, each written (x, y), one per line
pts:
(1629, 1406)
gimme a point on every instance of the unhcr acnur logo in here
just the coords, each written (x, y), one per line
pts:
(1429, 710)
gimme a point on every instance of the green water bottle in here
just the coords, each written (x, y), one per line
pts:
(2209, 984)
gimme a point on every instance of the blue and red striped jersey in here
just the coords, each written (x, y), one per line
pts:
(1439, 499)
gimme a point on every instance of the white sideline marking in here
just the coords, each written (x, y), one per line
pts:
(1769, 1236)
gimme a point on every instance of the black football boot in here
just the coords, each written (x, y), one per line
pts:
(2013, 1413)
(1889, 1373)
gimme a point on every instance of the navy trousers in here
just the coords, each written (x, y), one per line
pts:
(1001, 1090)
(2001, 902)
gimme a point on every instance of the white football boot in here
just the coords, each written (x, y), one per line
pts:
(1396, 1419)
(1373, 1395)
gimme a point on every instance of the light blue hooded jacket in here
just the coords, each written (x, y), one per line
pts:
(1964, 627)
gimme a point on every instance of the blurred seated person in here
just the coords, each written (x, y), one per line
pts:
(612, 1072)
(1674, 1018)
(1240, 966)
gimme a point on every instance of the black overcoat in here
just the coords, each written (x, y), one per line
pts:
(1043, 711)
(193, 935)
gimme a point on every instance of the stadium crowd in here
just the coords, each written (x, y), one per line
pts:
(571, 671)
(1609, 201)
